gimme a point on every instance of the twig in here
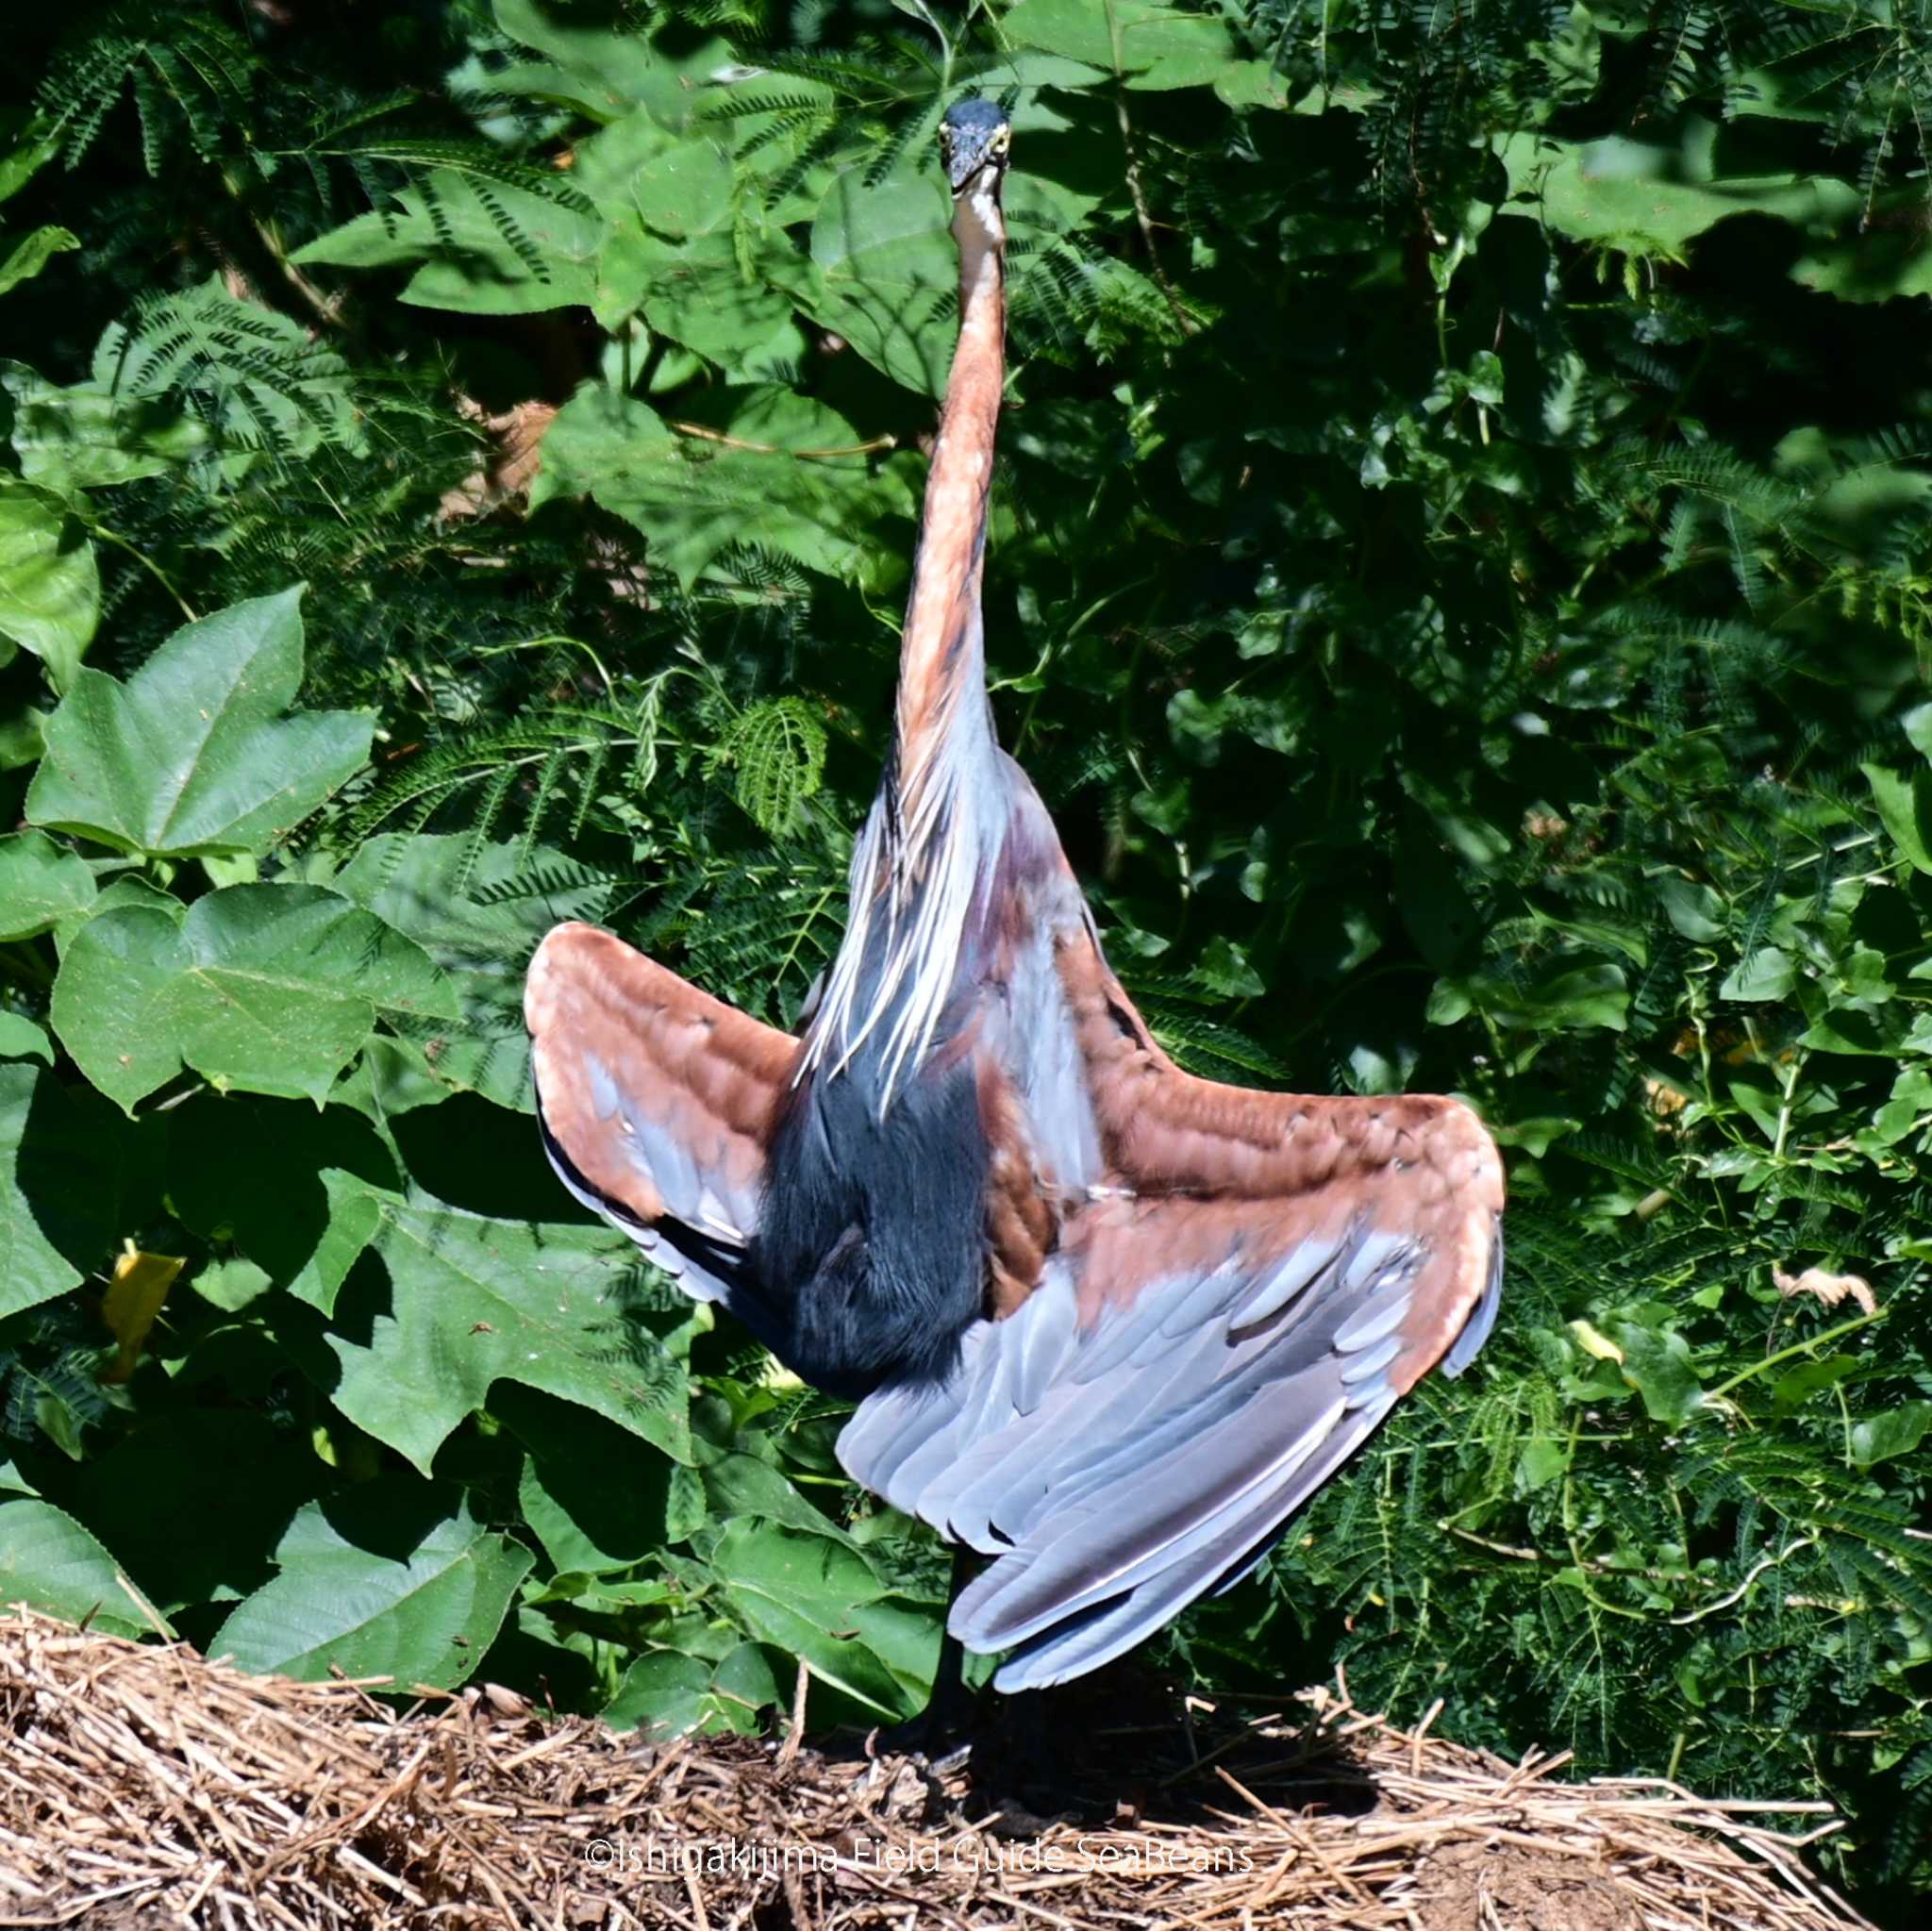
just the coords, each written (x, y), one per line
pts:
(788, 1751)
(709, 435)
(1142, 214)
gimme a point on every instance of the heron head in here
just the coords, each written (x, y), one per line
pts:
(974, 138)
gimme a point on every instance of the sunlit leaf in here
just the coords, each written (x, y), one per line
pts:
(271, 989)
(133, 1299)
(1898, 1431)
(405, 1590)
(40, 884)
(469, 1301)
(50, 1562)
(50, 589)
(1151, 46)
(27, 257)
(193, 754)
(780, 472)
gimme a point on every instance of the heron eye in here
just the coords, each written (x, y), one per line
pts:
(1001, 141)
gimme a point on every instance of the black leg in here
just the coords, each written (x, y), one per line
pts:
(1021, 1768)
(952, 1712)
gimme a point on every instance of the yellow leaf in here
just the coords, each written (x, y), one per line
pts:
(1591, 1342)
(133, 1299)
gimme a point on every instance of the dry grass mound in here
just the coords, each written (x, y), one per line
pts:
(142, 1786)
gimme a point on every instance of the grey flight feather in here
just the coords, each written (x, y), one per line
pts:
(1158, 1452)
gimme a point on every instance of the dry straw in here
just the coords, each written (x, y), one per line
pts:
(143, 1787)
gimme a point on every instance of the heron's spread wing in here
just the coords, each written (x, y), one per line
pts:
(1410, 1162)
(657, 1100)
(1224, 1322)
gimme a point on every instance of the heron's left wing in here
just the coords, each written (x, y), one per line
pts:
(1224, 1322)
(656, 1101)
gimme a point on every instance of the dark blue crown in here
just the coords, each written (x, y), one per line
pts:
(974, 119)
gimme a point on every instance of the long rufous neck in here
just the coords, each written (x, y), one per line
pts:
(943, 654)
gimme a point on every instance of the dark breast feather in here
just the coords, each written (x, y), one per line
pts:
(870, 1247)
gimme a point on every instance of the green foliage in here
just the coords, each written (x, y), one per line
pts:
(190, 758)
(1460, 573)
(413, 1613)
(50, 591)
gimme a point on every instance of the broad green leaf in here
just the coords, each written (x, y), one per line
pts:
(19, 730)
(740, 1486)
(485, 248)
(611, 71)
(1558, 996)
(270, 987)
(1909, 1103)
(1867, 264)
(232, 1285)
(784, 474)
(255, 1173)
(226, 1473)
(674, 186)
(1253, 84)
(50, 587)
(1898, 1431)
(1226, 969)
(1542, 1461)
(695, 292)
(665, 1695)
(1150, 45)
(1905, 802)
(1768, 973)
(479, 915)
(129, 889)
(1657, 1366)
(24, 258)
(743, 1686)
(889, 274)
(193, 754)
(1797, 1385)
(1616, 193)
(1694, 910)
(597, 1497)
(114, 999)
(40, 884)
(469, 1302)
(92, 435)
(682, 247)
(20, 1039)
(50, 1562)
(1851, 1029)
(810, 1595)
(353, 1218)
(375, 1584)
(59, 1187)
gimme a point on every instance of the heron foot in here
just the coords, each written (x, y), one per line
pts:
(939, 1742)
(942, 1737)
(1021, 1770)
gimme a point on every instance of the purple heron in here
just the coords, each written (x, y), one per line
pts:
(1109, 1325)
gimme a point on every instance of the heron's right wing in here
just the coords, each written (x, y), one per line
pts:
(656, 1101)
(1238, 1299)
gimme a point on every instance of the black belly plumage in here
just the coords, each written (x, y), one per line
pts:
(870, 1260)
